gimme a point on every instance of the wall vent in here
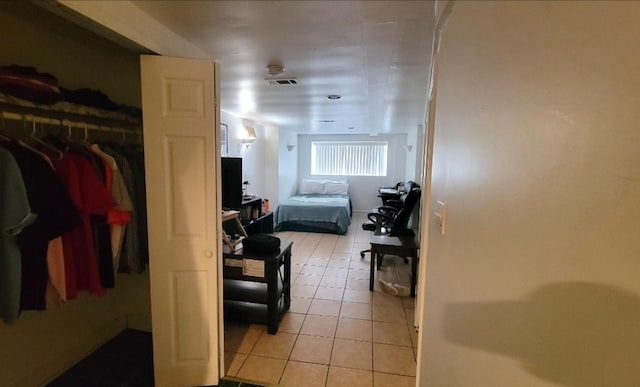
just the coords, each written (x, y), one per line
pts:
(282, 81)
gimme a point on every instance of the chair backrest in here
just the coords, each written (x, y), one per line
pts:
(409, 200)
(410, 185)
(399, 203)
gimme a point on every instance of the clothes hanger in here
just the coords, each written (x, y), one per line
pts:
(2, 137)
(56, 153)
(22, 143)
(85, 141)
(69, 130)
(58, 141)
(123, 139)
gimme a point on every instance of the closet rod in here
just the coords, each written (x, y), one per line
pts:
(65, 123)
(80, 120)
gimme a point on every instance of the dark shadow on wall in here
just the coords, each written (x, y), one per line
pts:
(577, 334)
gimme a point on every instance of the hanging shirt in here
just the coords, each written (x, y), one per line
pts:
(56, 289)
(95, 228)
(138, 255)
(102, 230)
(119, 216)
(15, 214)
(68, 174)
(56, 214)
(95, 200)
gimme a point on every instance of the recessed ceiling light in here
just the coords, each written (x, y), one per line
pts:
(334, 96)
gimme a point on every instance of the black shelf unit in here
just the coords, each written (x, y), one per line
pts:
(253, 219)
(257, 286)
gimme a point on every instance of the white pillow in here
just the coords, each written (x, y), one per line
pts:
(311, 186)
(336, 187)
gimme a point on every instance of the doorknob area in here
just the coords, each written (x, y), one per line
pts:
(208, 253)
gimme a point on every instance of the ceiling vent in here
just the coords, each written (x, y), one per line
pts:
(282, 81)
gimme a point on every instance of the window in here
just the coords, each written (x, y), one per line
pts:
(349, 158)
(224, 140)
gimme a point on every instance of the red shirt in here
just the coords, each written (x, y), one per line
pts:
(94, 200)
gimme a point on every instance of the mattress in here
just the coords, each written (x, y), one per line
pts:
(326, 212)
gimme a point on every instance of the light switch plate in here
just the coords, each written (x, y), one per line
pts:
(441, 215)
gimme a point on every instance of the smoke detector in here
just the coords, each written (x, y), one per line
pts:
(275, 70)
(275, 76)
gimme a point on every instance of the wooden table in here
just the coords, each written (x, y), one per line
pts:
(403, 246)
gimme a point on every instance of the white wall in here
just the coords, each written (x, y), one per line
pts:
(362, 189)
(537, 154)
(414, 169)
(253, 156)
(40, 345)
(271, 166)
(288, 165)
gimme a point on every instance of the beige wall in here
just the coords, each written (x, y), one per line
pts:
(537, 155)
(33, 37)
(40, 345)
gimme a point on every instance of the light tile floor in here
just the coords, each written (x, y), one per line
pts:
(336, 332)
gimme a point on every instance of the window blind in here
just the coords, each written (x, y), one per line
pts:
(356, 158)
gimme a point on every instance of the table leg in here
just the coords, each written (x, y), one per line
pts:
(287, 280)
(272, 297)
(414, 272)
(372, 267)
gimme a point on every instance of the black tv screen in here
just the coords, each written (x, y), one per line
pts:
(231, 182)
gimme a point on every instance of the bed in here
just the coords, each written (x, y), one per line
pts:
(320, 206)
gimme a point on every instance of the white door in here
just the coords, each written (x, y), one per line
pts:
(181, 114)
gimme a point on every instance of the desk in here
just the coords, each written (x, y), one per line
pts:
(388, 194)
(403, 246)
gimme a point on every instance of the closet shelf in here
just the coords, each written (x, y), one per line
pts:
(69, 116)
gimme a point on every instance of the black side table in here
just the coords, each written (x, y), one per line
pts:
(257, 286)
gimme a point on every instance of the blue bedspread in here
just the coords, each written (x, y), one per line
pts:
(316, 208)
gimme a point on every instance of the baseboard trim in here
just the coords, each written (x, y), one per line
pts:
(139, 321)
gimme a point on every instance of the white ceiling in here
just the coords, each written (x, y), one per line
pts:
(375, 54)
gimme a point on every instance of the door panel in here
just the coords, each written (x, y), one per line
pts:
(180, 136)
(186, 159)
(190, 326)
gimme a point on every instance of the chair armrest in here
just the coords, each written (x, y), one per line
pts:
(379, 218)
(393, 203)
(387, 210)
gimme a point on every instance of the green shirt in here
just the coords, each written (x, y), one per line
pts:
(15, 215)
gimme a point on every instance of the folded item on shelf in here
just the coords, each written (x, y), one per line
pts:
(27, 83)
(261, 243)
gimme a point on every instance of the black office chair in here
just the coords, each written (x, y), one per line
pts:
(394, 204)
(393, 222)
